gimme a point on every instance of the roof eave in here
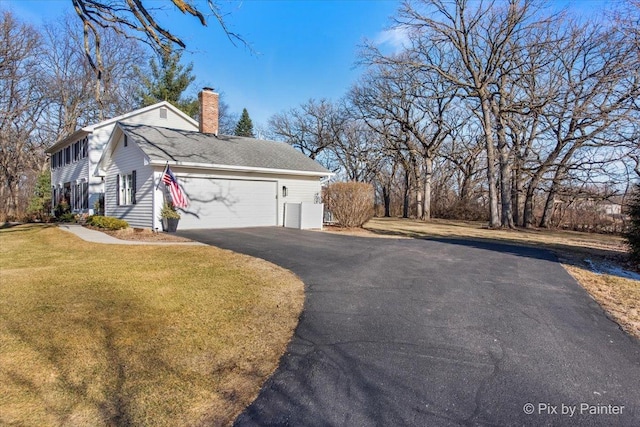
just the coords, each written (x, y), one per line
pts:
(139, 111)
(90, 128)
(106, 153)
(233, 168)
(80, 133)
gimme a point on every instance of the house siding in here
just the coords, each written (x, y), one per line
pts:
(85, 169)
(124, 161)
(300, 188)
(72, 174)
(101, 135)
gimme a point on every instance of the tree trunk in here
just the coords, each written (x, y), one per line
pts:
(405, 198)
(428, 177)
(386, 197)
(467, 180)
(529, 220)
(516, 195)
(419, 213)
(547, 215)
(506, 211)
(494, 219)
(527, 214)
(506, 219)
(416, 187)
(545, 222)
(559, 175)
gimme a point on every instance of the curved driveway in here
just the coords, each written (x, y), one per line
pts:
(428, 333)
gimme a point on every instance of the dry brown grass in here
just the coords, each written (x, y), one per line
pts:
(135, 335)
(619, 296)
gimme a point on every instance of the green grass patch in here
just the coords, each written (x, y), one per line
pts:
(135, 335)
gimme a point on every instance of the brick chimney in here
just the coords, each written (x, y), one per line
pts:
(208, 111)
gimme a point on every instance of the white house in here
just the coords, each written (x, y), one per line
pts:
(230, 181)
(75, 157)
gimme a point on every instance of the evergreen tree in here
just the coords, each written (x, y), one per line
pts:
(40, 204)
(244, 126)
(633, 234)
(168, 80)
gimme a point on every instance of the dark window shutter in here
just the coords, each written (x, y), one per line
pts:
(133, 187)
(117, 190)
(85, 195)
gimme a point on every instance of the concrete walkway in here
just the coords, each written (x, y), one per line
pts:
(98, 237)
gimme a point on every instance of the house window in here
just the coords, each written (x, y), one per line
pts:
(85, 195)
(67, 155)
(80, 196)
(85, 148)
(76, 151)
(75, 197)
(126, 189)
(66, 193)
(163, 113)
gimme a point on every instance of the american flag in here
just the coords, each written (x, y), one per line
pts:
(177, 195)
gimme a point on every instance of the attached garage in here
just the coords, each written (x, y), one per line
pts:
(227, 203)
(229, 181)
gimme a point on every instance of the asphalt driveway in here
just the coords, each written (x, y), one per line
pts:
(428, 333)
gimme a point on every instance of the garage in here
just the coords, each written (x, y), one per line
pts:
(225, 203)
(229, 181)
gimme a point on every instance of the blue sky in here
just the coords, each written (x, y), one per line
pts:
(303, 49)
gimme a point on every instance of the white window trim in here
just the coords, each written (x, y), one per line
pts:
(126, 196)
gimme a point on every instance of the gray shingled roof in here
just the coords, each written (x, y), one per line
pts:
(183, 146)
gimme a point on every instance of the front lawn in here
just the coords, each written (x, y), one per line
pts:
(135, 335)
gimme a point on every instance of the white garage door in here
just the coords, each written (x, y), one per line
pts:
(226, 203)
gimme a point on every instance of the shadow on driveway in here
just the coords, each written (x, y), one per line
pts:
(426, 332)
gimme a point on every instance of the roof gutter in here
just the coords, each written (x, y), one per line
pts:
(232, 168)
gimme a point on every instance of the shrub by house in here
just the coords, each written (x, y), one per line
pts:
(351, 203)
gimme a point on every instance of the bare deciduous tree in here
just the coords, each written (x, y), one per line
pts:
(419, 104)
(69, 78)
(21, 105)
(598, 84)
(136, 19)
(375, 102)
(47, 93)
(468, 45)
(312, 128)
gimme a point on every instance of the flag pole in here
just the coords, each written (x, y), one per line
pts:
(163, 172)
